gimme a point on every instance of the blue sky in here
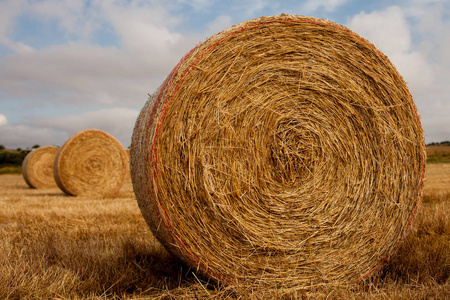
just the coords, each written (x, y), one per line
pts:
(66, 66)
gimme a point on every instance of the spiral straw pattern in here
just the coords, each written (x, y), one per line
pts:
(91, 162)
(37, 167)
(283, 152)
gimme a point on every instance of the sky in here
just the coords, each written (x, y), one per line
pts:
(66, 66)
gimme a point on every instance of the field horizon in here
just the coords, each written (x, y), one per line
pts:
(55, 246)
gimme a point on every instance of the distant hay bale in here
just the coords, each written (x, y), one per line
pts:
(37, 167)
(284, 152)
(91, 162)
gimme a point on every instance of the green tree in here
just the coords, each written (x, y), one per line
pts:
(8, 158)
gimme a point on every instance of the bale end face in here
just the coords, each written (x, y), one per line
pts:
(91, 162)
(283, 152)
(37, 167)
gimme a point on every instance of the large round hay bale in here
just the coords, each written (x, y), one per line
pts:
(283, 152)
(37, 167)
(91, 162)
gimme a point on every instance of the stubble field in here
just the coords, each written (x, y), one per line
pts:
(54, 246)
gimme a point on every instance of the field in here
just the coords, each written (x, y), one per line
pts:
(54, 246)
(438, 154)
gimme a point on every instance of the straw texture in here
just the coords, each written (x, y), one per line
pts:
(283, 152)
(37, 167)
(91, 162)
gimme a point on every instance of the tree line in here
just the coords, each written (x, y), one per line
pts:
(13, 157)
(444, 143)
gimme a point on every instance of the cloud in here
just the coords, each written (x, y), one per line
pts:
(435, 131)
(23, 136)
(70, 15)
(3, 120)
(197, 4)
(311, 6)
(75, 75)
(416, 38)
(252, 7)
(118, 121)
(80, 73)
(142, 28)
(9, 11)
(390, 32)
(387, 29)
(85, 75)
(220, 23)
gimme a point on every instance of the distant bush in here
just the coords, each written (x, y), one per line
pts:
(12, 158)
(444, 143)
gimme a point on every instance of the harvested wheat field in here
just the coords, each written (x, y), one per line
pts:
(438, 178)
(53, 246)
(438, 154)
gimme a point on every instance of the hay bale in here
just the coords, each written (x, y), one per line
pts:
(283, 152)
(91, 162)
(37, 167)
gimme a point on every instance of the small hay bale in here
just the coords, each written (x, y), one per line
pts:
(284, 152)
(37, 167)
(91, 162)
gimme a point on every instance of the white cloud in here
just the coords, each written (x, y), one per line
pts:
(142, 28)
(311, 6)
(23, 136)
(80, 73)
(435, 132)
(433, 27)
(252, 7)
(220, 23)
(119, 122)
(75, 74)
(390, 32)
(9, 11)
(70, 17)
(3, 120)
(84, 75)
(416, 38)
(70, 14)
(197, 4)
(387, 29)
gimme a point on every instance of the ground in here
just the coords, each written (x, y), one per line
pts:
(55, 246)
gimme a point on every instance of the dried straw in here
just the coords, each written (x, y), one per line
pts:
(91, 162)
(37, 167)
(283, 152)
